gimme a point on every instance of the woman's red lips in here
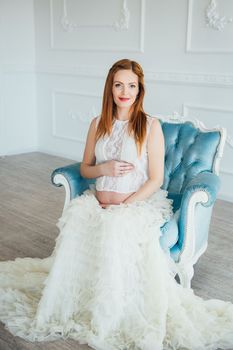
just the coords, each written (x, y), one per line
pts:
(123, 99)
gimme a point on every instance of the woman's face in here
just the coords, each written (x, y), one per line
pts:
(125, 88)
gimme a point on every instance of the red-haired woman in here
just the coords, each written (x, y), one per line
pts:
(108, 282)
(128, 168)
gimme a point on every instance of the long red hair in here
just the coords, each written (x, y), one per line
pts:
(138, 121)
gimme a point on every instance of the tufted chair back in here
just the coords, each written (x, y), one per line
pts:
(189, 151)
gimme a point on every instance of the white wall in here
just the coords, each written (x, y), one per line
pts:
(18, 123)
(188, 65)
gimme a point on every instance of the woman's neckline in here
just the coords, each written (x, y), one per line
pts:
(122, 121)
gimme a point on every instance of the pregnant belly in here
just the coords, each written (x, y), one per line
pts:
(110, 197)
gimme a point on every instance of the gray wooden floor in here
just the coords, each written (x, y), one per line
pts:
(30, 207)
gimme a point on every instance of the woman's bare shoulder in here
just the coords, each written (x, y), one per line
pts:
(153, 121)
(152, 118)
(94, 122)
(95, 119)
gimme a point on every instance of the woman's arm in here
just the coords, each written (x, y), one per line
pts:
(88, 168)
(156, 164)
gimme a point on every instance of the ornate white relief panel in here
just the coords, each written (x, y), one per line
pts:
(105, 25)
(72, 113)
(210, 26)
(214, 116)
(214, 19)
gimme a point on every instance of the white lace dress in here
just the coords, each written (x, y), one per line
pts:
(108, 284)
(120, 146)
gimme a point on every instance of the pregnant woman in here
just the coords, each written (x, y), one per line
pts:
(108, 283)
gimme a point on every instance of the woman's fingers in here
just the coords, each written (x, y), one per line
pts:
(125, 168)
(126, 164)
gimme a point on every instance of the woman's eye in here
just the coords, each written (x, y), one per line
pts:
(119, 85)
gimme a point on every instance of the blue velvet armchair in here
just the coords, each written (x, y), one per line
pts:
(191, 177)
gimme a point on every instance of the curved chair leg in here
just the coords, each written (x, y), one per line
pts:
(185, 275)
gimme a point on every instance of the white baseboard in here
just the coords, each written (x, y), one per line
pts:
(225, 197)
(37, 149)
(57, 154)
(19, 151)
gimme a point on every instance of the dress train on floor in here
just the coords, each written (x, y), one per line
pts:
(108, 284)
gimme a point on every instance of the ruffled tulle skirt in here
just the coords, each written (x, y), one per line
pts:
(109, 284)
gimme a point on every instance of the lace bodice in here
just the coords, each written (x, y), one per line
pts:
(120, 146)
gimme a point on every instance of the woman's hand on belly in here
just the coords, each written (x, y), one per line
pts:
(116, 168)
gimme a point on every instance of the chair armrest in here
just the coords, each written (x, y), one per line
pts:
(70, 177)
(201, 189)
(206, 181)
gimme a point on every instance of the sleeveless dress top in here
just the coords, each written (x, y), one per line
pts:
(122, 147)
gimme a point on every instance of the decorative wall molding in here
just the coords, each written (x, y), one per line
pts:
(72, 115)
(214, 21)
(121, 24)
(179, 78)
(213, 18)
(203, 79)
(207, 79)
